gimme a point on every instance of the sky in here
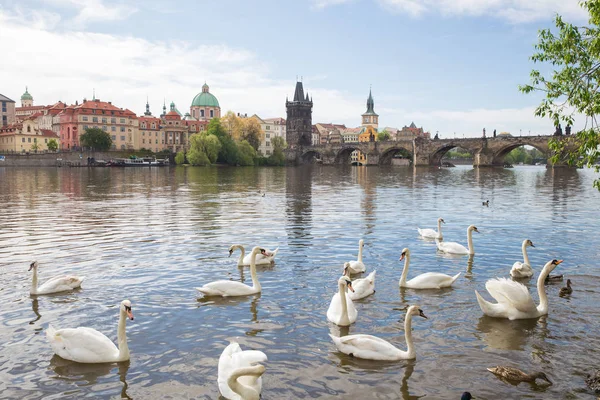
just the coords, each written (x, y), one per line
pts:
(451, 66)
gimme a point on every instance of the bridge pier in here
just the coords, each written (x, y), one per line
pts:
(484, 158)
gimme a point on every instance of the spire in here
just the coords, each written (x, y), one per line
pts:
(147, 113)
(370, 105)
(299, 93)
(94, 94)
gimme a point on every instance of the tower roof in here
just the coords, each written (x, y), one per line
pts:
(26, 95)
(205, 98)
(370, 105)
(299, 93)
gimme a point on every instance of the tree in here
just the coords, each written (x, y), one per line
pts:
(277, 158)
(205, 143)
(383, 136)
(35, 146)
(52, 145)
(197, 157)
(252, 132)
(572, 88)
(229, 151)
(179, 158)
(233, 125)
(96, 139)
(246, 153)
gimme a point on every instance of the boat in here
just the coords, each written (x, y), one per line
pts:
(138, 162)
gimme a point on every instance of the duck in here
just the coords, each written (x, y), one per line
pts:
(593, 381)
(513, 299)
(341, 310)
(356, 267)
(363, 287)
(227, 288)
(553, 278)
(456, 248)
(523, 269)
(428, 280)
(431, 233)
(57, 284)
(261, 259)
(466, 396)
(87, 345)
(516, 375)
(239, 373)
(371, 347)
(564, 291)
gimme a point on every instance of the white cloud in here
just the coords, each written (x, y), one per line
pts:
(94, 10)
(514, 11)
(321, 4)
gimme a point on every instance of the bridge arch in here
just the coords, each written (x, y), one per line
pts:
(500, 154)
(386, 156)
(343, 156)
(436, 155)
(311, 157)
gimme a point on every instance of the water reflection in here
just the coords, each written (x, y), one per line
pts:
(298, 191)
(35, 308)
(504, 334)
(404, 390)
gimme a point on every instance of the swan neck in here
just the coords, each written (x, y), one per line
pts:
(439, 228)
(245, 392)
(122, 337)
(405, 270)
(410, 348)
(342, 291)
(255, 282)
(360, 247)
(242, 254)
(34, 281)
(541, 287)
(470, 241)
(525, 256)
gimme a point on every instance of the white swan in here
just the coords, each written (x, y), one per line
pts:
(53, 285)
(514, 300)
(431, 233)
(356, 267)
(239, 376)
(373, 348)
(232, 288)
(523, 269)
(87, 345)
(456, 248)
(341, 309)
(428, 280)
(260, 258)
(362, 287)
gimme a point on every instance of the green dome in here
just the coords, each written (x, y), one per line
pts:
(26, 95)
(205, 99)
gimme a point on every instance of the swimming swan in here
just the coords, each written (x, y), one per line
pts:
(87, 345)
(53, 285)
(363, 287)
(373, 348)
(232, 288)
(260, 258)
(341, 309)
(456, 248)
(523, 269)
(239, 373)
(431, 233)
(514, 300)
(428, 280)
(356, 267)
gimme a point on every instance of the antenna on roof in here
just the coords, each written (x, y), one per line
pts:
(94, 94)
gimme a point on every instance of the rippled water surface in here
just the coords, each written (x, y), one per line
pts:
(152, 235)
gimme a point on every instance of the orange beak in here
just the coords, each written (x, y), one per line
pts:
(559, 261)
(130, 315)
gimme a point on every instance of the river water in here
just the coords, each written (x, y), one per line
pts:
(152, 235)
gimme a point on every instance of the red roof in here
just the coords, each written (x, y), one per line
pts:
(104, 108)
(30, 108)
(49, 133)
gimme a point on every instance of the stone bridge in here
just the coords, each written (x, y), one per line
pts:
(487, 152)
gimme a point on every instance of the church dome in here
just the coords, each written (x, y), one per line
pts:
(26, 95)
(205, 98)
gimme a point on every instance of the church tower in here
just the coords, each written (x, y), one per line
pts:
(26, 99)
(370, 117)
(299, 119)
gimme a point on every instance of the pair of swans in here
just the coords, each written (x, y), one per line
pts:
(53, 285)
(261, 259)
(239, 373)
(356, 267)
(428, 280)
(457, 248)
(362, 287)
(431, 233)
(227, 288)
(523, 269)
(87, 345)
(513, 298)
(373, 348)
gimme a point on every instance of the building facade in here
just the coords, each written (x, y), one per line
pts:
(299, 119)
(205, 105)
(7, 111)
(26, 137)
(271, 127)
(411, 132)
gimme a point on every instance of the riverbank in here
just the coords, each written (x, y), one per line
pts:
(57, 159)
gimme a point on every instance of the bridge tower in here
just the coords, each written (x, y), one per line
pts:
(299, 119)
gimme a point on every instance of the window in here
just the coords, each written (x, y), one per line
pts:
(268, 127)
(153, 125)
(85, 127)
(201, 113)
(143, 141)
(104, 128)
(104, 120)
(122, 147)
(84, 118)
(156, 141)
(268, 135)
(122, 138)
(122, 120)
(212, 113)
(45, 140)
(122, 129)
(94, 119)
(114, 137)
(268, 144)
(23, 140)
(29, 139)
(268, 152)
(113, 128)
(113, 120)
(28, 128)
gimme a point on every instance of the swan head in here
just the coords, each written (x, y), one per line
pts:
(541, 375)
(230, 251)
(552, 264)
(405, 253)
(344, 280)
(256, 250)
(361, 242)
(33, 265)
(466, 396)
(472, 228)
(416, 311)
(126, 308)
(529, 243)
(441, 220)
(346, 266)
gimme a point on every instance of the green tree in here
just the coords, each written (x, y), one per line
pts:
(35, 146)
(206, 143)
(383, 136)
(96, 139)
(197, 156)
(228, 153)
(277, 157)
(52, 145)
(246, 153)
(252, 132)
(573, 54)
(180, 158)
